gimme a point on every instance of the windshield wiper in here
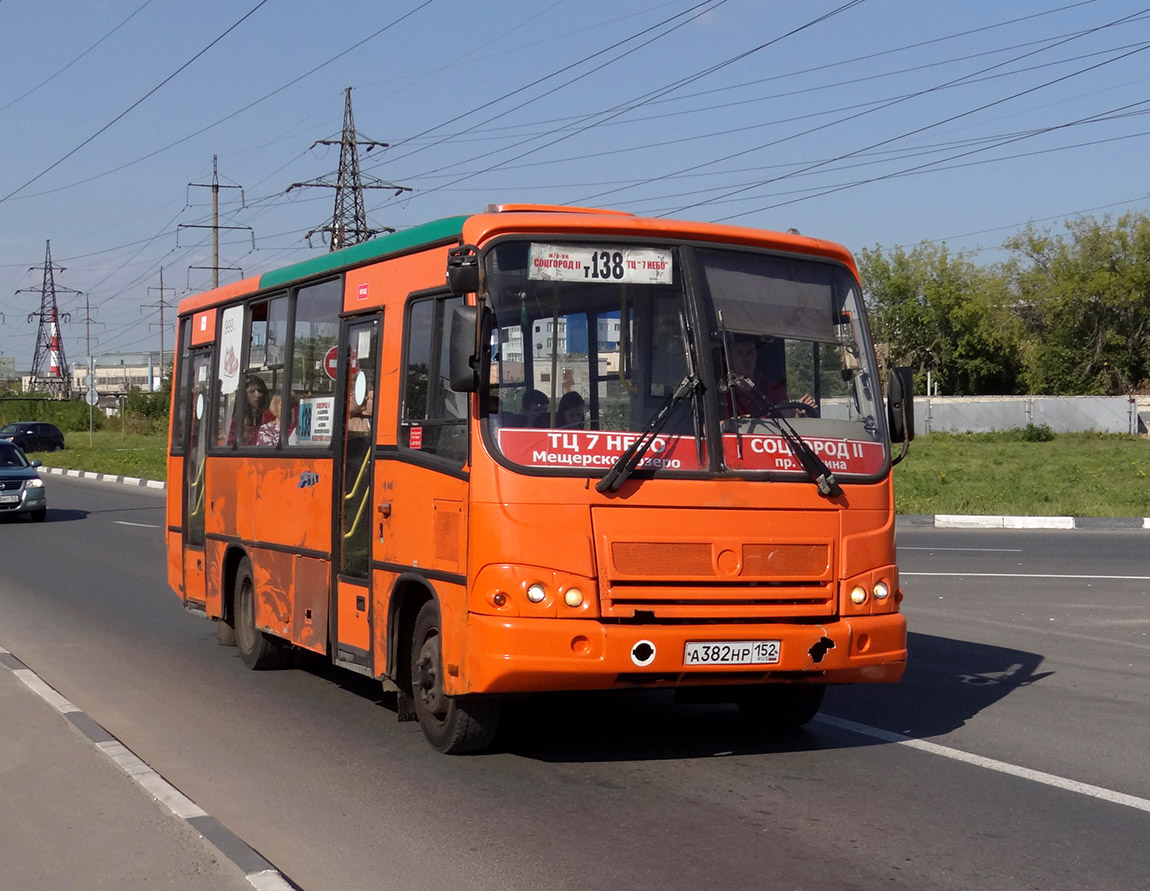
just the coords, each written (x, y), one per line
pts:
(814, 466)
(696, 407)
(625, 465)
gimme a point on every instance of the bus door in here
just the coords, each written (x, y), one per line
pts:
(195, 585)
(351, 550)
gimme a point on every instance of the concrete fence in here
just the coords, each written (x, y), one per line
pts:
(1062, 414)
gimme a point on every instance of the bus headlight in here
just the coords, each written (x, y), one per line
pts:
(507, 589)
(858, 595)
(881, 591)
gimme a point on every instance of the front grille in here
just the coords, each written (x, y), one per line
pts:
(656, 559)
(716, 564)
(719, 601)
(11, 485)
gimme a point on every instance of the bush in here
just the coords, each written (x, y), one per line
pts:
(70, 415)
(1037, 433)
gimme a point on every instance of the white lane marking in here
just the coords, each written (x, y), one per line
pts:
(32, 682)
(1024, 773)
(979, 550)
(159, 788)
(141, 525)
(1027, 575)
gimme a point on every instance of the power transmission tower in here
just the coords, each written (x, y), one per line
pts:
(50, 372)
(348, 224)
(215, 226)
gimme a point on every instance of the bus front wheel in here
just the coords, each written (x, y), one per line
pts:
(452, 724)
(779, 706)
(258, 650)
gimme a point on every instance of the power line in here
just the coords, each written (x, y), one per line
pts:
(591, 120)
(914, 131)
(225, 118)
(150, 92)
(51, 77)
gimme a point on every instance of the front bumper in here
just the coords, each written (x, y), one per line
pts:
(520, 655)
(31, 500)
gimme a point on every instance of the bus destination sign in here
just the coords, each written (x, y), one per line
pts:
(600, 263)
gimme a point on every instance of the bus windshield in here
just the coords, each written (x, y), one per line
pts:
(590, 340)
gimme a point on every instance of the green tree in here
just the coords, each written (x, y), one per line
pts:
(941, 313)
(1085, 301)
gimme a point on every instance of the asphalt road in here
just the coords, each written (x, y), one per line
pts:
(1029, 681)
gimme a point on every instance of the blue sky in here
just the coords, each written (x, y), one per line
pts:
(873, 122)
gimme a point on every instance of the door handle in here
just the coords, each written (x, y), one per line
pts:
(385, 509)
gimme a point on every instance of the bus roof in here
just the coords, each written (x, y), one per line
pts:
(507, 219)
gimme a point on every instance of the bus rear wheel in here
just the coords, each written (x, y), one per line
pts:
(258, 650)
(779, 706)
(453, 725)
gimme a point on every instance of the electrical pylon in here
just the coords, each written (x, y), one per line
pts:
(348, 224)
(50, 371)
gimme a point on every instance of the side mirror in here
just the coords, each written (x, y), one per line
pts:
(463, 362)
(900, 405)
(463, 269)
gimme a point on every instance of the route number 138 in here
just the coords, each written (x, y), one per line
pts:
(605, 264)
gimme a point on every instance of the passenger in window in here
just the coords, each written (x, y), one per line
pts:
(536, 409)
(572, 412)
(359, 416)
(255, 409)
(268, 433)
(758, 380)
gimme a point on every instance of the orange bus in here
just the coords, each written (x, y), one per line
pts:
(540, 449)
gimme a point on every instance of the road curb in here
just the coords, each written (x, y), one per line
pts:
(959, 521)
(105, 477)
(259, 872)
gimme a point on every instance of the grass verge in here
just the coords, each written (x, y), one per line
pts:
(1072, 475)
(121, 454)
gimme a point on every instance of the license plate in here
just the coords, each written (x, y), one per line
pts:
(9, 499)
(732, 652)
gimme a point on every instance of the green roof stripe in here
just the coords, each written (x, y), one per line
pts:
(357, 255)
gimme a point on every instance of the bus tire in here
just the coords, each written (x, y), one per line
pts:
(779, 706)
(258, 651)
(453, 725)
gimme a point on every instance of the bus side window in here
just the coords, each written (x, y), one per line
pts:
(312, 408)
(434, 416)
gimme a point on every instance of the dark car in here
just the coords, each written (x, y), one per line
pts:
(33, 436)
(21, 489)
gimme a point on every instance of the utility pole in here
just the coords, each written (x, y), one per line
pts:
(161, 303)
(215, 186)
(348, 224)
(91, 396)
(50, 373)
